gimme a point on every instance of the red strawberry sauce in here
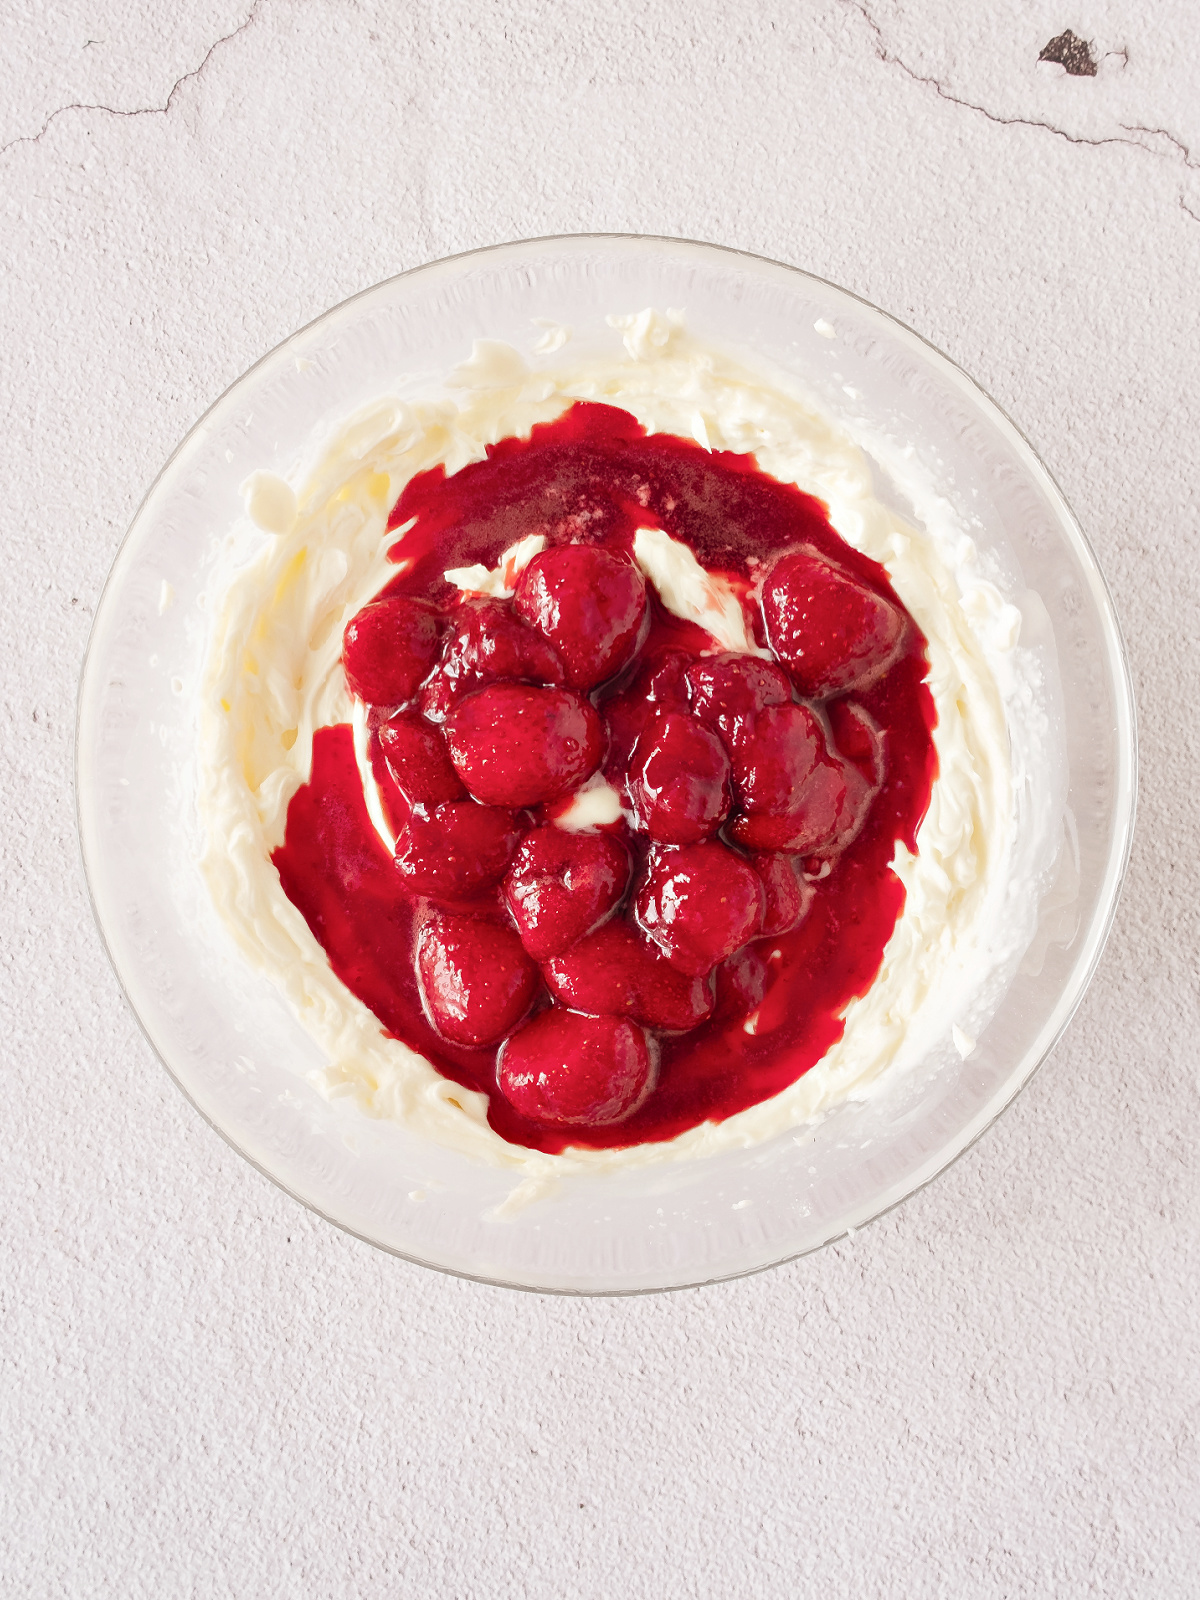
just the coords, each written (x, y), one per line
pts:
(593, 477)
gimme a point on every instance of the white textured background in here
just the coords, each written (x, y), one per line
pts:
(204, 1390)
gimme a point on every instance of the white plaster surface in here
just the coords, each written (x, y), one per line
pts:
(204, 1390)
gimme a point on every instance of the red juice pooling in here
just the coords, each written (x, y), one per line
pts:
(619, 986)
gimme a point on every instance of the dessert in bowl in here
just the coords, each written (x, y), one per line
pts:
(642, 774)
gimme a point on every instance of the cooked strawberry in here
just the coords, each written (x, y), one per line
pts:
(388, 648)
(514, 744)
(788, 895)
(777, 754)
(459, 849)
(617, 972)
(740, 982)
(793, 793)
(658, 688)
(728, 691)
(830, 631)
(566, 1068)
(418, 762)
(476, 978)
(562, 885)
(589, 603)
(486, 642)
(679, 780)
(813, 824)
(699, 904)
(858, 739)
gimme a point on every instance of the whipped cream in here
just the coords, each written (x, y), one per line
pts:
(312, 553)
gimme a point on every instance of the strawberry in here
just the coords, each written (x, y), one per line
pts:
(589, 603)
(728, 691)
(793, 793)
(486, 641)
(562, 885)
(476, 979)
(417, 760)
(457, 850)
(388, 648)
(565, 1067)
(830, 631)
(615, 971)
(788, 895)
(514, 744)
(699, 904)
(679, 780)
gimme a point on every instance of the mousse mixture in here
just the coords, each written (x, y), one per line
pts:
(602, 770)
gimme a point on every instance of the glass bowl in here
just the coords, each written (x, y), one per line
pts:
(227, 1036)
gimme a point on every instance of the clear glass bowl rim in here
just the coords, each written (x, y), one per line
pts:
(1125, 789)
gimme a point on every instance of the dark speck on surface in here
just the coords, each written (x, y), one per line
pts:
(1071, 52)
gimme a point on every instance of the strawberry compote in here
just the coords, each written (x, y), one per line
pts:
(622, 983)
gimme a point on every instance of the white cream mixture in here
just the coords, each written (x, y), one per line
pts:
(313, 552)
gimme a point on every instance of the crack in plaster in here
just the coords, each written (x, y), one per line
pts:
(1161, 133)
(889, 58)
(135, 111)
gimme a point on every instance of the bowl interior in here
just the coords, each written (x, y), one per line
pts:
(227, 1036)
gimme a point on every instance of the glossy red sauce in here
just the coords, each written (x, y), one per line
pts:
(594, 475)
